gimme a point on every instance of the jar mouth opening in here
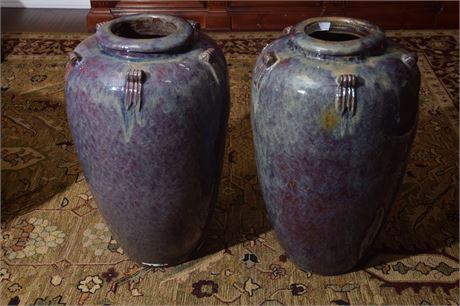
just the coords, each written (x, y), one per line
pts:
(143, 28)
(333, 36)
(339, 36)
(336, 30)
(145, 33)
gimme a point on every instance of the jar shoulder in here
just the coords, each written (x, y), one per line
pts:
(98, 70)
(90, 48)
(378, 93)
(281, 57)
(283, 70)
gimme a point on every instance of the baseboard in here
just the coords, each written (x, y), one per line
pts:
(77, 4)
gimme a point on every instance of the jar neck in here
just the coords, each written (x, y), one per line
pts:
(337, 37)
(145, 34)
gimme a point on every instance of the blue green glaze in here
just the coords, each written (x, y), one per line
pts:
(154, 168)
(329, 177)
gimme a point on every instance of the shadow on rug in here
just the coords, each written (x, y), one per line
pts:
(57, 249)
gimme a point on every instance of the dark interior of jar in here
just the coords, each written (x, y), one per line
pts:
(143, 28)
(335, 31)
(333, 36)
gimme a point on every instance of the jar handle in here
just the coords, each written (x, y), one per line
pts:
(74, 59)
(268, 61)
(409, 59)
(195, 24)
(208, 58)
(133, 89)
(345, 98)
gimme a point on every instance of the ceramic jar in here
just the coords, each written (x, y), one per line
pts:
(334, 112)
(147, 103)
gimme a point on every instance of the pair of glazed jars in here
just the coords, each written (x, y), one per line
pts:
(334, 108)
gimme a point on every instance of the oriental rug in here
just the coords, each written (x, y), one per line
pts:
(56, 248)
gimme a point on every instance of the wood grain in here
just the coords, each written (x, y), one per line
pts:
(275, 15)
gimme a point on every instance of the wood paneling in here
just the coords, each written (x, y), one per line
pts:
(393, 14)
(271, 4)
(162, 4)
(210, 14)
(271, 15)
(275, 15)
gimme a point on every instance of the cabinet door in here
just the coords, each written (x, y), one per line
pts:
(397, 14)
(161, 4)
(275, 15)
(270, 15)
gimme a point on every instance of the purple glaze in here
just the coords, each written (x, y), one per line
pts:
(328, 175)
(153, 169)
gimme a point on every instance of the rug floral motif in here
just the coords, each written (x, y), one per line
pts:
(57, 250)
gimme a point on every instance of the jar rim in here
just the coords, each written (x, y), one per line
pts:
(369, 36)
(178, 33)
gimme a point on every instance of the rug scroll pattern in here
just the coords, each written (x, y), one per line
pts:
(56, 248)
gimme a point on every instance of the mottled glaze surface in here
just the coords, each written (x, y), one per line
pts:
(153, 169)
(328, 177)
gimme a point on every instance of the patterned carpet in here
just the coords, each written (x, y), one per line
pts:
(56, 249)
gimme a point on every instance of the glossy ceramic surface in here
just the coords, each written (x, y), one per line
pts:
(334, 111)
(147, 102)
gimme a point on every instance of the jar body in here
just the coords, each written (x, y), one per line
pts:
(330, 173)
(151, 148)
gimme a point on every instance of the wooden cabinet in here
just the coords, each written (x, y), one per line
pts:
(275, 15)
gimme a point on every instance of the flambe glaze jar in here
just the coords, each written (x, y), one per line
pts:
(147, 103)
(334, 112)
